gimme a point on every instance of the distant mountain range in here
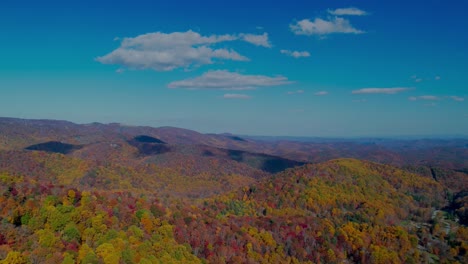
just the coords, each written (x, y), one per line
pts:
(23, 134)
(189, 153)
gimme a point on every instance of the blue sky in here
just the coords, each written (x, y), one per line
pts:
(294, 68)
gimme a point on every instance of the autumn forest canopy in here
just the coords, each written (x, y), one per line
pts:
(109, 193)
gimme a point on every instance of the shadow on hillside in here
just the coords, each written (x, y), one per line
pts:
(148, 139)
(237, 138)
(275, 165)
(54, 147)
(208, 153)
(270, 164)
(148, 146)
(236, 155)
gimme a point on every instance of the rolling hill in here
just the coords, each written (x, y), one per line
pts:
(109, 193)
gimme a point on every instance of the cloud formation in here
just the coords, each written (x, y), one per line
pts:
(424, 97)
(415, 78)
(457, 98)
(393, 90)
(350, 11)
(226, 80)
(296, 92)
(258, 40)
(237, 96)
(168, 51)
(322, 27)
(295, 54)
(321, 93)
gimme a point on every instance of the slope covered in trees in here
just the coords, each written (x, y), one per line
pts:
(342, 210)
(100, 193)
(181, 181)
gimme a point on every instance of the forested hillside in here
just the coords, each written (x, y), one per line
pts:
(330, 212)
(114, 194)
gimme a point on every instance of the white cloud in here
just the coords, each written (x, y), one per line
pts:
(350, 11)
(321, 93)
(237, 96)
(435, 98)
(416, 78)
(258, 40)
(226, 80)
(428, 97)
(393, 90)
(457, 98)
(296, 92)
(424, 97)
(165, 52)
(120, 70)
(419, 79)
(296, 54)
(322, 27)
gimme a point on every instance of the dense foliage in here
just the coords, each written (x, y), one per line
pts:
(342, 210)
(117, 194)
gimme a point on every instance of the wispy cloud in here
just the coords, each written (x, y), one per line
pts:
(457, 98)
(435, 98)
(321, 93)
(393, 90)
(415, 78)
(418, 79)
(167, 51)
(226, 80)
(424, 97)
(350, 11)
(237, 96)
(323, 27)
(258, 40)
(296, 92)
(295, 54)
